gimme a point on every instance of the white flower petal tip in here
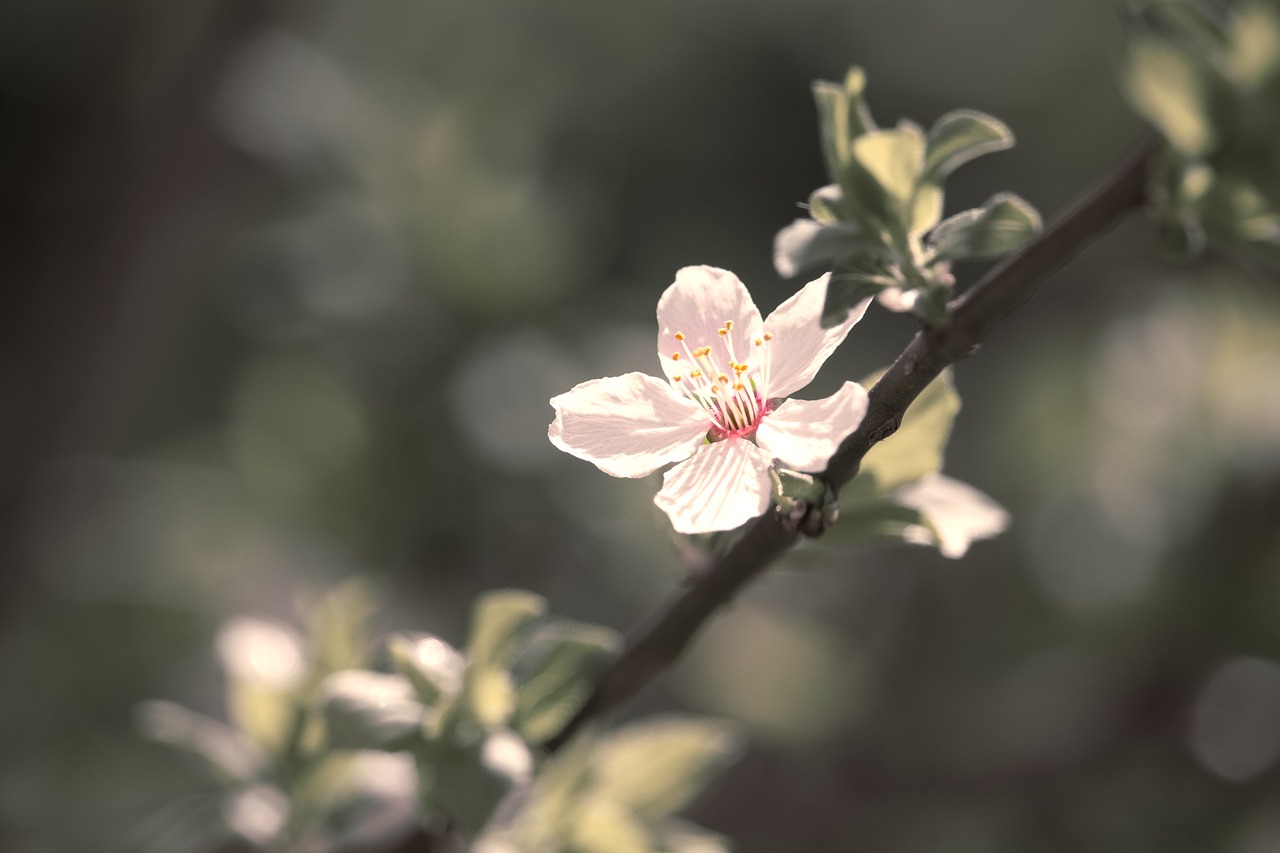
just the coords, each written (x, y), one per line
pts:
(800, 344)
(627, 426)
(725, 369)
(958, 513)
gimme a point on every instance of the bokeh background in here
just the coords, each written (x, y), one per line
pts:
(288, 287)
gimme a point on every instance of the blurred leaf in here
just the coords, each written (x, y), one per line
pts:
(916, 449)
(806, 245)
(842, 115)
(826, 204)
(658, 766)
(956, 514)
(264, 713)
(850, 286)
(555, 674)
(433, 667)
(370, 710)
(497, 622)
(895, 158)
(606, 826)
(682, 837)
(871, 518)
(471, 776)
(926, 208)
(1168, 89)
(961, 136)
(1000, 226)
(338, 623)
(227, 752)
(491, 695)
(1253, 41)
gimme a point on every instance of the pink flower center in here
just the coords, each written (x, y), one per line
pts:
(735, 398)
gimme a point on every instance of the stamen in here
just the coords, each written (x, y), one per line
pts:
(675, 356)
(679, 336)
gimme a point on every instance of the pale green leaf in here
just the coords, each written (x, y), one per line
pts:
(434, 667)
(555, 675)
(961, 136)
(894, 158)
(997, 228)
(916, 449)
(370, 710)
(230, 754)
(1170, 91)
(926, 208)
(809, 246)
(499, 618)
(658, 766)
(606, 826)
(849, 286)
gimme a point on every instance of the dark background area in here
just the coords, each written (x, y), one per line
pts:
(288, 287)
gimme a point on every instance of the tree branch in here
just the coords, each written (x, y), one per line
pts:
(659, 641)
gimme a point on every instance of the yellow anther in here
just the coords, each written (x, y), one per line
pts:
(677, 378)
(728, 324)
(768, 336)
(696, 374)
(715, 389)
(675, 356)
(738, 386)
(679, 336)
(722, 379)
(759, 342)
(722, 332)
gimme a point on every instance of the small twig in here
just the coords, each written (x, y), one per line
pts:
(659, 641)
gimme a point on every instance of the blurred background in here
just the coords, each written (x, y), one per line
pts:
(289, 286)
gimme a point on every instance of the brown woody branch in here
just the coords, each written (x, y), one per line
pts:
(660, 640)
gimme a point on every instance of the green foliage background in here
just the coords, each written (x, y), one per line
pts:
(290, 285)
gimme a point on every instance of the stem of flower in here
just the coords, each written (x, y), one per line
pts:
(659, 641)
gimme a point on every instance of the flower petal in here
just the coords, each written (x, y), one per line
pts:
(723, 486)
(800, 345)
(958, 513)
(628, 426)
(697, 304)
(803, 434)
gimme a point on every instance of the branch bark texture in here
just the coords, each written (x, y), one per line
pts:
(660, 640)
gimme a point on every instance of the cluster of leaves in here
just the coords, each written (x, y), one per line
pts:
(1210, 84)
(879, 224)
(900, 493)
(278, 785)
(345, 757)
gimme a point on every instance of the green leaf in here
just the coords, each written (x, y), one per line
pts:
(894, 158)
(869, 517)
(336, 624)
(842, 115)
(473, 771)
(826, 204)
(806, 245)
(231, 755)
(370, 710)
(961, 136)
(1000, 226)
(605, 826)
(682, 837)
(926, 208)
(658, 766)
(916, 449)
(500, 617)
(1169, 89)
(433, 667)
(850, 286)
(555, 675)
